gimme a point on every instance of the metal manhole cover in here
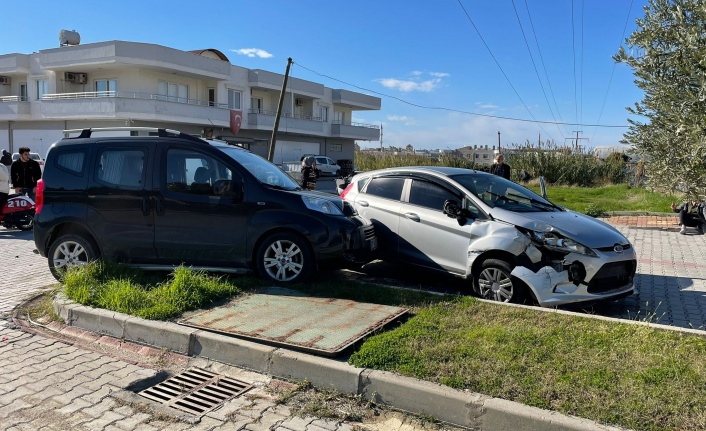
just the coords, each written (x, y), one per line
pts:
(324, 326)
(196, 391)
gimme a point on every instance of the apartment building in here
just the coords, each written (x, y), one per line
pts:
(118, 83)
(480, 154)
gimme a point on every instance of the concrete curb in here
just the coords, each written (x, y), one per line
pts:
(462, 408)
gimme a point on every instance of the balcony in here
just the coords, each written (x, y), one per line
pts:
(366, 132)
(138, 106)
(355, 101)
(262, 119)
(14, 108)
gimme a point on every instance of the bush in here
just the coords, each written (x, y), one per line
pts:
(595, 211)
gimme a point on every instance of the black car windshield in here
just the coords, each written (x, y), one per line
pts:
(498, 192)
(265, 171)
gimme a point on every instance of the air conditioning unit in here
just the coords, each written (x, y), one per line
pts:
(77, 78)
(5, 80)
(298, 102)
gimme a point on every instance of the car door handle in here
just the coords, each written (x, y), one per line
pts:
(363, 203)
(159, 205)
(412, 216)
(145, 205)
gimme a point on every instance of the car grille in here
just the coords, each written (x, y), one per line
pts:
(368, 232)
(612, 276)
(612, 247)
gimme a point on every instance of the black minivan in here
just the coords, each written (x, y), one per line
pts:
(168, 199)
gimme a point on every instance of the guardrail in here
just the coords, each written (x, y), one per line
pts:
(14, 99)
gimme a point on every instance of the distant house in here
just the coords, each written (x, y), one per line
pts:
(480, 154)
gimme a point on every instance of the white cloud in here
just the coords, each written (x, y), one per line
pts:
(398, 118)
(407, 86)
(439, 74)
(416, 73)
(252, 52)
(488, 106)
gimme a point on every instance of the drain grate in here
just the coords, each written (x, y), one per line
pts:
(196, 391)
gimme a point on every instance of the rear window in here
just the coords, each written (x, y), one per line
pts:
(386, 187)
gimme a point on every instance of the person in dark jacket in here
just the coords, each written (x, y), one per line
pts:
(499, 168)
(309, 173)
(24, 174)
(689, 216)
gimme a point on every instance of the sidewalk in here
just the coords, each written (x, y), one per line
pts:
(644, 220)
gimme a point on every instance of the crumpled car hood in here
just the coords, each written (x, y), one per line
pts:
(580, 227)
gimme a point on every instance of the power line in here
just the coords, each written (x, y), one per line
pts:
(499, 67)
(549, 83)
(439, 108)
(622, 38)
(535, 67)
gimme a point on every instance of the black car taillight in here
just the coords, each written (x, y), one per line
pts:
(39, 197)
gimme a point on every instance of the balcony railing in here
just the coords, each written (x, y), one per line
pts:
(132, 95)
(284, 114)
(369, 126)
(14, 99)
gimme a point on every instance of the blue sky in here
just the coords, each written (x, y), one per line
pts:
(445, 70)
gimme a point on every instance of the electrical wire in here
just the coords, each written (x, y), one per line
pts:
(519, 22)
(549, 82)
(622, 38)
(440, 108)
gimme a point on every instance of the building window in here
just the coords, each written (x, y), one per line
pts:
(323, 113)
(337, 117)
(211, 97)
(255, 105)
(477, 156)
(485, 156)
(173, 92)
(42, 88)
(234, 98)
(105, 85)
(23, 92)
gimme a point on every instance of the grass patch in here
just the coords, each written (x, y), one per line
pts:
(621, 374)
(627, 375)
(610, 198)
(147, 295)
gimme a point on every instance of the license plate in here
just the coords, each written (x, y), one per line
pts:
(373, 244)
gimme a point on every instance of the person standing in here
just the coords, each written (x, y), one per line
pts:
(689, 216)
(499, 168)
(309, 173)
(5, 161)
(24, 174)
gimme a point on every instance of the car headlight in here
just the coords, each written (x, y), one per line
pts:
(554, 241)
(321, 205)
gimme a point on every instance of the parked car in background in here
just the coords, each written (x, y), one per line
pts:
(33, 156)
(160, 201)
(325, 165)
(510, 242)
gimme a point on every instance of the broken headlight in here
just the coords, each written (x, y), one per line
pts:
(554, 241)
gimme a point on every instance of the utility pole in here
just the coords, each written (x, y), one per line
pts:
(498, 141)
(381, 147)
(271, 152)
(576, 139)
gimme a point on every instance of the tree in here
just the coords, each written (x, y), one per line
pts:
(668, 58)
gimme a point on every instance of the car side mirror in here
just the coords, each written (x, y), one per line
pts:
(452, 209)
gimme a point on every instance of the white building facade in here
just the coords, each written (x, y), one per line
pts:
(117, 83)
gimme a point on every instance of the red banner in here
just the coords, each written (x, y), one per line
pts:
(236, 118)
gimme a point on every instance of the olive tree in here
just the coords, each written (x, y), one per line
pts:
(668, 56)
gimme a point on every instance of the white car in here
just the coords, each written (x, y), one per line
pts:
(325, 165)
(33, 156)
(510, 243)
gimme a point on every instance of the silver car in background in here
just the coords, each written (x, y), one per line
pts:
(513, 244)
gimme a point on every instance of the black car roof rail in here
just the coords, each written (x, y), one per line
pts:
(162, 133)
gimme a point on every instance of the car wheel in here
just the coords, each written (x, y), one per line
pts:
(337, 173)
(496, 284)
(285, 257)
(69, 251)
(318, 172)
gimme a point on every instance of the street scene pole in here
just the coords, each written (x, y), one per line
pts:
(271, 150)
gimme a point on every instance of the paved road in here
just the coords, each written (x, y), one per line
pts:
(81, 382)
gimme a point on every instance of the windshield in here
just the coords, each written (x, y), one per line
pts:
(265, 172)
(497, 192)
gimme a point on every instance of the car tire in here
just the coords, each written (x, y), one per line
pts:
(285, 257)
(337, 173)
(495, 282)
(69, 251)
(319, 173)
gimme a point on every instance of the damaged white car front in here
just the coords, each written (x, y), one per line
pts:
(560, 270)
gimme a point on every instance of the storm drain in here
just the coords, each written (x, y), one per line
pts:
(196, 391)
